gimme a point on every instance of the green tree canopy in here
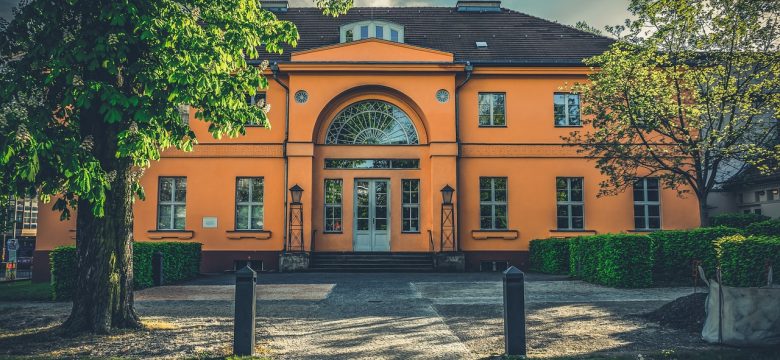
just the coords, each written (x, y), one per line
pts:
(89, 95)
(689, 93)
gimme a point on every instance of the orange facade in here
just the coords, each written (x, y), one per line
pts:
(447, 147)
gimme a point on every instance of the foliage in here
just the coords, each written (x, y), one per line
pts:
(181, 261)
(767, 228)
(743, 260)
(24, 291)
(736, 220)
(550, 256)
(689, 93)
(618, 260)
(674, 252)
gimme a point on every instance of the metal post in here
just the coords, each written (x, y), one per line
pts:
(157, 268)
(244, 321)
(514, 312)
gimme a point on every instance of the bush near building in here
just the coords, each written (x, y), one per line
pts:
(743, 260)
(768, 228)
(736, 220)
(181, 261)
(674, 252)
(619, 260)
(550, 256)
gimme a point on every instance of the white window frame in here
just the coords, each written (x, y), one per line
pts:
(646, 204)
(251, 204)
(387, 29)
(493, 203)
(568, 123)
(407, 205)
(172, 203)
(569, 203)
(492, 97)
(339, 205)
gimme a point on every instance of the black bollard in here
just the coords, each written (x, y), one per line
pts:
(244, 322)
(514, 312)
(157, 268)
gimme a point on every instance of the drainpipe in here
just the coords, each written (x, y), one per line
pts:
(275, 71)
(468, 68)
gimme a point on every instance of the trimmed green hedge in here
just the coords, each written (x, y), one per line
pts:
(675, 250)
(181, 261)
(736, 220)
(550, 256)
(619, 260)
(743, 259)
(768, 228)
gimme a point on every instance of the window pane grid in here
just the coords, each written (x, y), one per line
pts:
(492, 111)
(410, 207)
(570, 205)
(647, 204)
(249, 203)
(171, 205)
(493, 203)
(567, 109)
(333, 205)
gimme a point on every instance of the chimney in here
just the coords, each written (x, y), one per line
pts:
(274, 5)
(478, 6)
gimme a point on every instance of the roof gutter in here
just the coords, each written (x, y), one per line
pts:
(468, 69)
(275, 71)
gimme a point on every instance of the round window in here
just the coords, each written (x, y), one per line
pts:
(301, 96)
(442, 95)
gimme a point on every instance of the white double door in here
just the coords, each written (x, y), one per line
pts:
(372, 215)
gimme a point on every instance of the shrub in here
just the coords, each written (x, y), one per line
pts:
(736, 220)
(743, 260)
(674, 252)
(619, 260)
(181, 261)
(550, 256)
(768, 228)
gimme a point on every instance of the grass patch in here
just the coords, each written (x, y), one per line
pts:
(158, 325)
(25, 291)
(713, 354)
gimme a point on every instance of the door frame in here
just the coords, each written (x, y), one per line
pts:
(372, 210)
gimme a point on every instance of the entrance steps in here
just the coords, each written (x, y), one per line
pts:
(371, 262)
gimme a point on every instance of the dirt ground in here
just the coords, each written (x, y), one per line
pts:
(376, 316)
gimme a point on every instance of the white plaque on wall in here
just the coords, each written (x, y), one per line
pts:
(209, 222)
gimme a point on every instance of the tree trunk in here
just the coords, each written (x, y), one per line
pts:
(103, 298)
(704, 211)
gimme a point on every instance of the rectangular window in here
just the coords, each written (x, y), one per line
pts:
(184, 113)
(647, 204)
(372, 164)
(364, 32)
(492, 203)
(757, 196)
(171, 203)
(410, 205)
(757, 211)
(394, 35)
(349, 36)
(256, 99)
(380, 32)
(333, 200)
(771, 194)
(567, 109)
(249, 203)
(571, 215)
(492, 111)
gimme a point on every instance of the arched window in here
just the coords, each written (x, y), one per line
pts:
(372, 29)
(372, 122)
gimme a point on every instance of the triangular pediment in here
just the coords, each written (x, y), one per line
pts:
(372, 50)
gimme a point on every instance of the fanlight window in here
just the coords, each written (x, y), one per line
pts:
(372, 29)
(372, 122)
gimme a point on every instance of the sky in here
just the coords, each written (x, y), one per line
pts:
(597, 13)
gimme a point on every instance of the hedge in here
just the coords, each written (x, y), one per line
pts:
(181, 261)
(743, 259)
(550, 256)
(618, 260)
(768, 228)
(736, 220)
(675, 250)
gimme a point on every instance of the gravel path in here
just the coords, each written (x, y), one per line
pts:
(363, 316)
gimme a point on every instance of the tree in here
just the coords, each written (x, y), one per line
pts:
(689, 93)
(90, 91)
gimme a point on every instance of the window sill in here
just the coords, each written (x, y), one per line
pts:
(332, 232)
(410, 232)
(494, 234)
(568, 126)
(249, 234)
(170, 234)
(492, 126)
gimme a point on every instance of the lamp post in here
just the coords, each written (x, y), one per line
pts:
(295, 235)
(447, 241)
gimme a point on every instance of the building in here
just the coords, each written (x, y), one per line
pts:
(19, 221)
(749, 192)
(374, 113)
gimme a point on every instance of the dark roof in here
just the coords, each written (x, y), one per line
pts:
(512, 37)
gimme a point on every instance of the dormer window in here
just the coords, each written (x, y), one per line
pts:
(372, 29)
